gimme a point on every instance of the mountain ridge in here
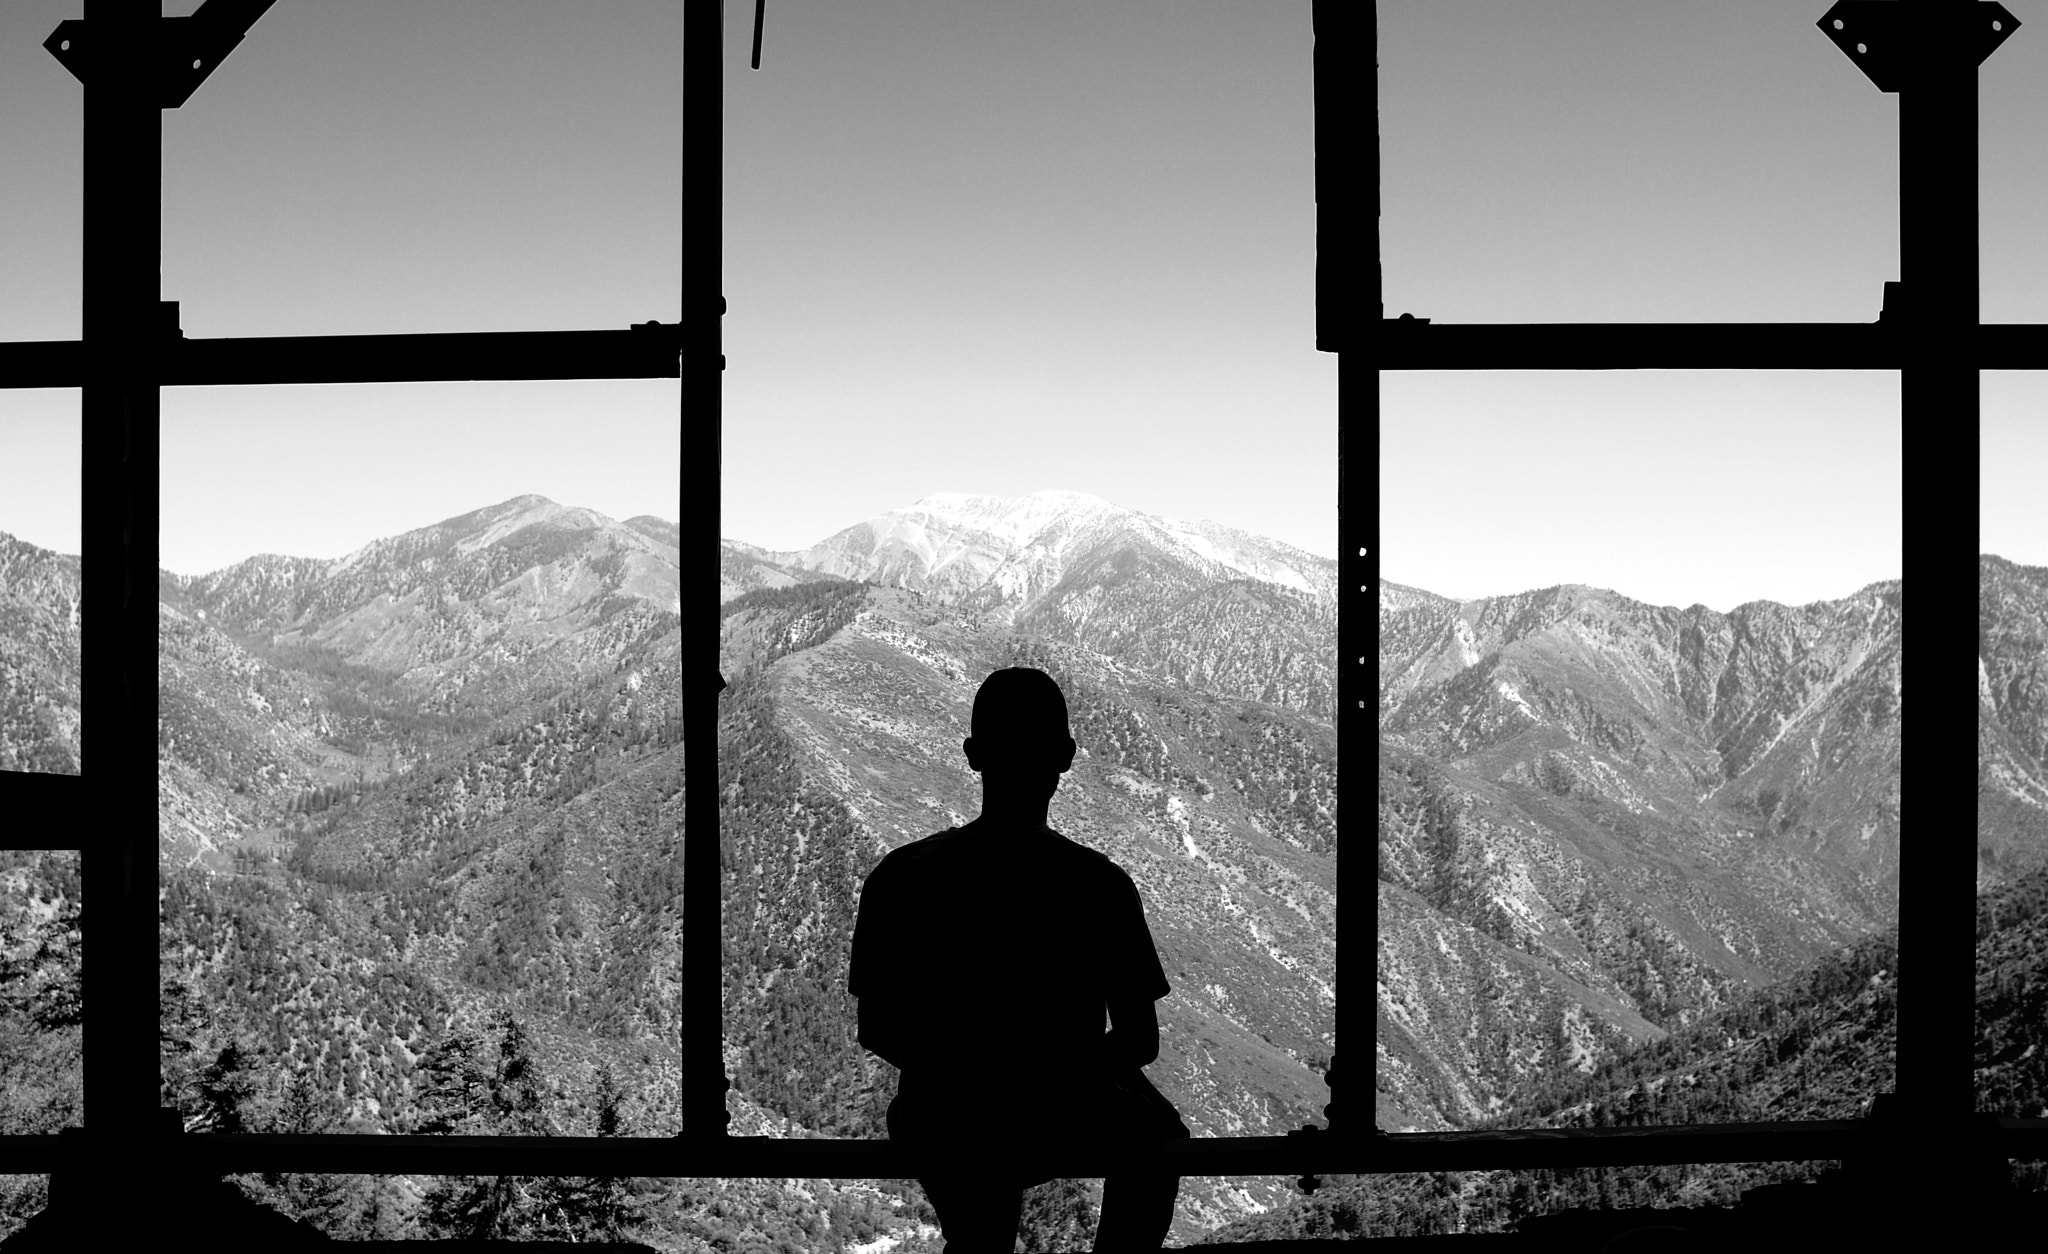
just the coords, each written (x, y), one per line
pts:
(1611, 592)
(1199, 603)
(529, 506)
(951, 544)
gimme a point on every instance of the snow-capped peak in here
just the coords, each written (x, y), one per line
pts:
(1016, 548)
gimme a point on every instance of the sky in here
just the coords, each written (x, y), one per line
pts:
(1583, 160)
(379, 166)
(322, 471)
(982, 245)
(1669, 487)
(39, 468)
(2013, 462)
(989, 246)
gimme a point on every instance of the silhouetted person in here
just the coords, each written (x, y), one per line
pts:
(985, 958)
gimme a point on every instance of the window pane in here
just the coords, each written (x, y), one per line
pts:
(388, 168)
(1568, 162)
(1019, 295)
(1638, 863)
(42, 114)
(2011, 110)
(420, 774)
(2012, 743)
(40, 594)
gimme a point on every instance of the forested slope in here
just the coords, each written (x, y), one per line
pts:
(42, 1009)
(2012, 998)
(1817, 1046)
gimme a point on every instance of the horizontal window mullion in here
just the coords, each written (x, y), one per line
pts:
(42, 363)
(33, 1155)
(750, 1157)
(523, 355)
(1694, 346)
(725, 1157)
(646, 352)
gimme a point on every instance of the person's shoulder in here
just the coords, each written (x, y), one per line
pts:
(1093, 860)
(921, 850)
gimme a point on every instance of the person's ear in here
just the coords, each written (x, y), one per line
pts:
(967, 747)
(1067, 759)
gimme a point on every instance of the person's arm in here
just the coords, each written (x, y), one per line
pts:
(873, 974)
(880, 1031)
(1133, 1036)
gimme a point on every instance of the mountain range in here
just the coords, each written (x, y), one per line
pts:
(439, 781)
(1600, 820)
(39, 659)
(420, 808)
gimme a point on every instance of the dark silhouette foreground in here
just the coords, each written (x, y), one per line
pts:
(985, 958)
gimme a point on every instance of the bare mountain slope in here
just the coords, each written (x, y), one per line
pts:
(39, 659)
(2012, 719)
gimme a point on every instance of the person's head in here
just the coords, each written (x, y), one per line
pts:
(1020, 728)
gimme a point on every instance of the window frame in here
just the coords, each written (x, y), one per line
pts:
(1939, 346)
(128, 353)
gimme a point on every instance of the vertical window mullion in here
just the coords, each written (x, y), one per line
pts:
(703, 1071)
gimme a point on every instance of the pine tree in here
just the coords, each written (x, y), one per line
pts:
(227, 1084)
(1060, 1215)
(454, 1084)
(306, 1107)
(595, 1208)
(517, 1087)
(43, 983)
(500, 1098)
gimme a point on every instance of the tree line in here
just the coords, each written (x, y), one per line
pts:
(472, 1081)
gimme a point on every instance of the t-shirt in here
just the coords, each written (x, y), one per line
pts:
(996, 954)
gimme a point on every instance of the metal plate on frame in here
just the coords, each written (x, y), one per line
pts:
(188, 48)
(1874, 34)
